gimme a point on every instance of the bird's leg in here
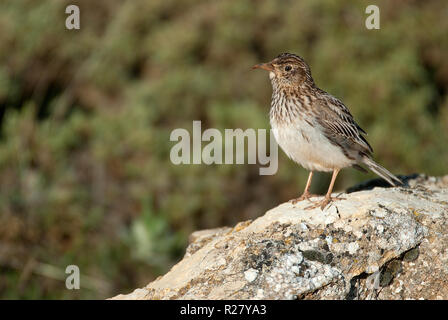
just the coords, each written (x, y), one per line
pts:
(306, 194)
(328, 198)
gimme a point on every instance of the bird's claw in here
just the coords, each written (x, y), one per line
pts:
(305, 196)
(323, 203)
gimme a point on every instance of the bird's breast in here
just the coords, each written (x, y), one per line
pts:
(304, 142)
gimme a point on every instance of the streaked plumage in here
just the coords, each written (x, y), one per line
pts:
(314, 128)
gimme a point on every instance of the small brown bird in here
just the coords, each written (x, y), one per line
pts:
(314, 128)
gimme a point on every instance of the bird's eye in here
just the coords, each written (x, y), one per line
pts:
(287, 68)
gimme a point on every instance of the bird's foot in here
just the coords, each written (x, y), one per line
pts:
(323, 203)
(305, 196)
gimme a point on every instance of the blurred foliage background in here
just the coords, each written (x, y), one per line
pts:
(85, 119)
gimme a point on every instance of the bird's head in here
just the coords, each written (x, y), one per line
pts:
(287, 70)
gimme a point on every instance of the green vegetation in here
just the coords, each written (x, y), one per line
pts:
(85, 176)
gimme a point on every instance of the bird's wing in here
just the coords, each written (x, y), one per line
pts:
(340, 127)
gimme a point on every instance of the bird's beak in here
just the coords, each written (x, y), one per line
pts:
(266, 66)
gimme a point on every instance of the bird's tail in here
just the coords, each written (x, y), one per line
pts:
(382, 172)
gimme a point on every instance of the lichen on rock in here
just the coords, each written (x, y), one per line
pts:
(379, 243)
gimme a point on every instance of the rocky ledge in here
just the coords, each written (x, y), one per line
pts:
(377, 243)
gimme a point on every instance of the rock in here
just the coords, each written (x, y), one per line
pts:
(379, 243)
(392, 269)
(250, 275)
(411, 255)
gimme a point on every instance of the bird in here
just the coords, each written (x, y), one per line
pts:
(314, 128)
